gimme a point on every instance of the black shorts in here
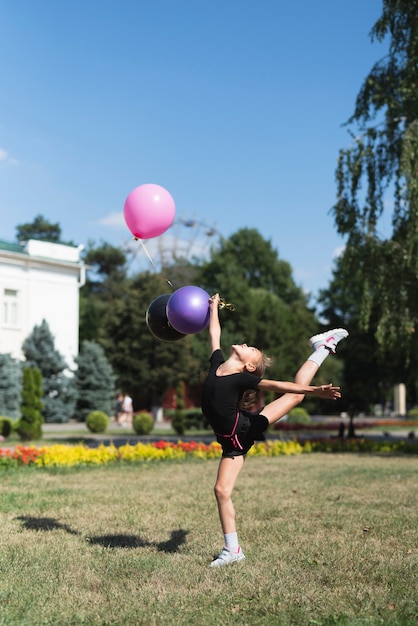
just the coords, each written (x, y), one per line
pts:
(250, 428)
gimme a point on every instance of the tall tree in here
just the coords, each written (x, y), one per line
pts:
(10, 386)
(368, 377)
(105, 282)
(94, 381)
(40, 228)
(383, 161)
(145, 367)
(59, 394)
(271, 311)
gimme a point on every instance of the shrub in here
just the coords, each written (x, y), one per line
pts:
(179, 419)
(30, 424)
(413, 413)
(143, 423)
(97, 422)
(299, 415)
(194, 418)
(6, 426)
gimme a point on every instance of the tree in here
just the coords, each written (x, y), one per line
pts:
(40, 228)
(94, 381)
(59, 393)
(30, 423)
(10, 386)
(383, 160)
(271, 311)
(105, 283)
(145, 367)
(368, 377)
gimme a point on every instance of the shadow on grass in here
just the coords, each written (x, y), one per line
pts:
(172, 545)
(45, 523)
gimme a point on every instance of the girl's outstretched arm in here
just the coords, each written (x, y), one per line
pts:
(214, 324)
(322, 391)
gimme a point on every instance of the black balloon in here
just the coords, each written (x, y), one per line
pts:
(157, 321)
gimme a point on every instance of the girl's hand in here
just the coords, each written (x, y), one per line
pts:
(214, 301)
(328, 391)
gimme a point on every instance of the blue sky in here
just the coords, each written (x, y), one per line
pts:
(235, 107)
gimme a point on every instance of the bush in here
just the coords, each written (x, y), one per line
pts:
(29, 426)
(299, 415)
(194, 418)
(179, 419)
(6, 426)
(97, 422)
(413, 413)
(143, 423)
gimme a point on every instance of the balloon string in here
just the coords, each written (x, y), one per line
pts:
(151, 259)
(226, 305)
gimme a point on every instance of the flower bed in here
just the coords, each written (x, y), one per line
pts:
(61, 455)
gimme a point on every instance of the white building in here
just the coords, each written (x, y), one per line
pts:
(40, 281)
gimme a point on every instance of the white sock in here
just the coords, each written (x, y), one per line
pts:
(319, 355)
(231, 542)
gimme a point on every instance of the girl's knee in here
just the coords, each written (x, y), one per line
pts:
(222, 491)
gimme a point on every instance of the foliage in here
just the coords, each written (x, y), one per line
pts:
(299, 415)
(105, 284)
(413, 413)
(368, 377)
(271, 311)
(94, 381)
(179, 421)
(97, 422)
(59, 392)
(145, 367)
(10, 385)
(6, 426)
(384, 157)
(143, 423)
(30, 423)
(40, 228)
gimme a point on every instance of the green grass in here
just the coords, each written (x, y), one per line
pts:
(329, 539)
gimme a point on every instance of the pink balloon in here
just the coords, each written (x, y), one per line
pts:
(149, 211)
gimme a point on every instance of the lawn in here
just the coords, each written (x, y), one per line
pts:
(329, 539)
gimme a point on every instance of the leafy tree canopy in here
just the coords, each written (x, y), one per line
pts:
(383, 161)
(40, 228)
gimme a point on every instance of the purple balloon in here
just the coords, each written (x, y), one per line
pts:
(188, 310)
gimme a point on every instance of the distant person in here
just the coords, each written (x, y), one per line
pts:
(127, 411)
(118, 408)
(228, 405)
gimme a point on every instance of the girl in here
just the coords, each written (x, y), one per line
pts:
(226, 398)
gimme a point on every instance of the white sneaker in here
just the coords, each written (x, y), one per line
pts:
(330, 339)
(226, 557)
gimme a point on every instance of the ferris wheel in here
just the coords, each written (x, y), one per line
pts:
(189, 238)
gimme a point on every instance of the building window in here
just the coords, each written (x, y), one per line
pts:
(10, 308)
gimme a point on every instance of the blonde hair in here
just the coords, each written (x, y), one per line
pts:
(249, 398)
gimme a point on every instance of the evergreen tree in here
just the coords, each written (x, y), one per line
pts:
(179, 420)
(59, 392)
(94, 381)
(41, 229)
(10, 386)
(30, 423)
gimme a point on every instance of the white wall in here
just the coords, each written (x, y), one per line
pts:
(47, 287)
